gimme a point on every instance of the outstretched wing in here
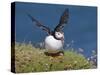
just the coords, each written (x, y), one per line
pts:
(63, 20)
(47, 29)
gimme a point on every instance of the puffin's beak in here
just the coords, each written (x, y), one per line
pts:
(62, 38)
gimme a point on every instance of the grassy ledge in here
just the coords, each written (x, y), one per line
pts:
(31, 59)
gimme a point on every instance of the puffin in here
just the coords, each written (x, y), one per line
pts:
(55, 39)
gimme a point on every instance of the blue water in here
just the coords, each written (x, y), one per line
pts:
(81, 30)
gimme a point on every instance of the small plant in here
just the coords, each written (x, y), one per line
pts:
(31, 59)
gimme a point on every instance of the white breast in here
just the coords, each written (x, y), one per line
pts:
(52, 43)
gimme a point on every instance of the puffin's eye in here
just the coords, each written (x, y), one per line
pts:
(58, 34)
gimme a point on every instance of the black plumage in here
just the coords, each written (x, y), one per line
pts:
(63, 20)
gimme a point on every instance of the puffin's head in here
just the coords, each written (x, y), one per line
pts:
(59, 35)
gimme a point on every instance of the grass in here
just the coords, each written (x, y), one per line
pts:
(31, 59)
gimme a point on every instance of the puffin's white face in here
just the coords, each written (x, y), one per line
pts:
(59, 35)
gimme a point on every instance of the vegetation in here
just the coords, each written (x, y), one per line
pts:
(31, 59)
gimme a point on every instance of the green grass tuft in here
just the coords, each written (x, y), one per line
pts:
(31, 59)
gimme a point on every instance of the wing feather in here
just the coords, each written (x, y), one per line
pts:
(63, 20)
(47, 29)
